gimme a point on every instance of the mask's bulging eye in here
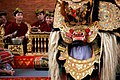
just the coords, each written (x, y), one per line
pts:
(82, 34)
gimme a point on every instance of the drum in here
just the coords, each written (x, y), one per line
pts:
(5, 56)
(41, 63)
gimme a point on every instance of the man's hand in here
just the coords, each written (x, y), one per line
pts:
(10, 35)
(10, 72)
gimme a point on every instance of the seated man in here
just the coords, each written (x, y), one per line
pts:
(49, 20)
(5, 59)
(40, 14)
(41, 24)
(4, 23)
(18, 29)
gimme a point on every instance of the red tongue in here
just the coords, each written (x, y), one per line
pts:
(76, 50)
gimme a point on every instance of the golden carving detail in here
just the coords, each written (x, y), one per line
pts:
(80, 30)
(1, 36)
(75, 4)
(16, 49)
(37, 35)
(109, 15)
(78, 68)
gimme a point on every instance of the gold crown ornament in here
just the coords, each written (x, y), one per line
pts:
(17, 10)
(37, 11)
(49, 13)
(75, 4)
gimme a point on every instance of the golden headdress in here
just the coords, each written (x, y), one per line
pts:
(37, 11)
(49, 13)
(17, 10)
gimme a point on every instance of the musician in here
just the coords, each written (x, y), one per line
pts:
(3, 20)
(17, 28)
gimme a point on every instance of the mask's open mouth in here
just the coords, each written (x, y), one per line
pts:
(80, 50)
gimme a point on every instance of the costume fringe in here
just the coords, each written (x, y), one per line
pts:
(109, 50)
(52, 52)
(118, 66)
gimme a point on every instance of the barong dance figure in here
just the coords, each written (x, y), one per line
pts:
(83, 44)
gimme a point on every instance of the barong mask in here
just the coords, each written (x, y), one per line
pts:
(77, 17)
(74, 26)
